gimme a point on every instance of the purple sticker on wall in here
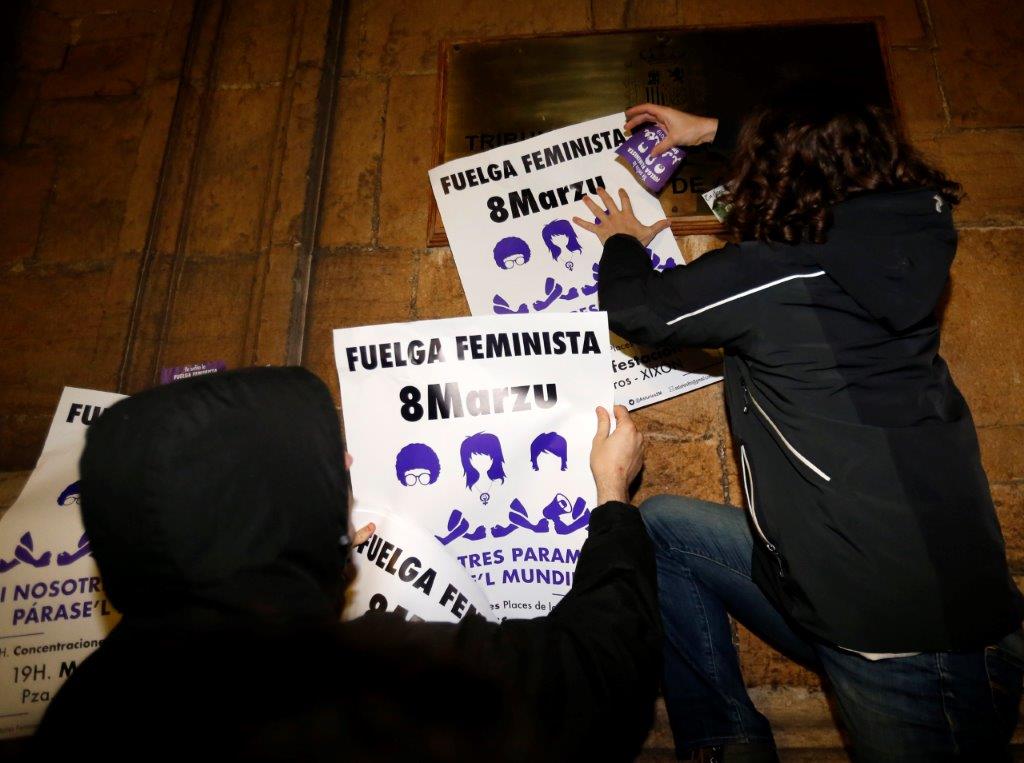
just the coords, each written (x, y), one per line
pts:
(176, 373)
(652, 172)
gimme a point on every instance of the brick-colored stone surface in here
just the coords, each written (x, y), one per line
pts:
(110, 67)
(349, 215)
(256, 43)
(979, 53)
(355, 287)
(982, 340)
(28, 176)
(691, 468)
(44, 40)
(763, 666)
(232, 179)
(439, 292)
(693, 416)
(1009, 500)
(404, 189)
(902, 17)
(404, 36)
(917, 90)
(1002, 452)
(990, 165)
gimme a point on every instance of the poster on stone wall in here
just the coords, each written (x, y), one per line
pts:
(53, 611)
(477, 433)
(508, 216)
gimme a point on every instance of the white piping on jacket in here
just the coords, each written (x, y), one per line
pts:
(803, 459)
(746, 293)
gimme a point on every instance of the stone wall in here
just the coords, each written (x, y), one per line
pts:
(107, 274)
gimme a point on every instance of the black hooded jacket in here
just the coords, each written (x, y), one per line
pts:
(215, 508)
(858, 454)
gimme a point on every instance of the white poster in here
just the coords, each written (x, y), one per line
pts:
(53, 611)
(478, 432)
(508, 215)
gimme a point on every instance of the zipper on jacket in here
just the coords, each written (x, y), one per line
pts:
(748, 488)
(750, 400)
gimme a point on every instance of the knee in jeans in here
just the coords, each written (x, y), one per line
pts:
(659, 509)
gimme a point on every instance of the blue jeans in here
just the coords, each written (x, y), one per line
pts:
(931, 707)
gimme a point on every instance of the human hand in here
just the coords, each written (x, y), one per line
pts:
(616, 220)
(363, 534)
(615, 459)
(682, 129)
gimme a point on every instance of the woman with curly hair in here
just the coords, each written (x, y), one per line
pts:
(870, 550)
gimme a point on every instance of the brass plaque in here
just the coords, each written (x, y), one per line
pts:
(500, 91)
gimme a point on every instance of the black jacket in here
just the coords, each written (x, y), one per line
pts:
(214, 507)
(858, 453)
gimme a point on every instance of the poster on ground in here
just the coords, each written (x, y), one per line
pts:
(477, 432)
(508, 216)
(53, 611)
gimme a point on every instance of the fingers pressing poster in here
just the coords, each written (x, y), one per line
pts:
(53, 611)
(478, 432)
(508, 215)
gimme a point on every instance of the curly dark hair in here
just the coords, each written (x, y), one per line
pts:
(811, 148)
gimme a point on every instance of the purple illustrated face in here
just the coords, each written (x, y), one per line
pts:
(70, 495)
(559, 237)
(511, 252)
(417, 464)
(549, 442)
(479, 452)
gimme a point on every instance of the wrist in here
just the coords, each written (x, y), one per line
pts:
(710, 130)
(608, 493)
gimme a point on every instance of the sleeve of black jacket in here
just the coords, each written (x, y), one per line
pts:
(697, 305)
(586, 675)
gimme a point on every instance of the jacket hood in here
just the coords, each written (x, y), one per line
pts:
(891, 251)
(225, 494)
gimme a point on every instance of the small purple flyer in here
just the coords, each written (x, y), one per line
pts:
(652, 172)
(176, 373)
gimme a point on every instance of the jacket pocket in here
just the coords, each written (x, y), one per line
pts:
(748, 489)
(750, 402)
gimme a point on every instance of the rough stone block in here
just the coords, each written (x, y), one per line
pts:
(256, 43)
(293, 172)
(902, 18)
(694, 416)
(210, 312)
(74, 8)
(990, 165)
(979, 58)
(103, 27)
(43, 41)
(439, 291)
(49, 335)
(354, 169)
(981, 337)
(1009, 500)
(404, 188)
(917, 91)
(115, 67)
(1002, 452)
(11, 484)
(763, 666)
(17, 108)
(22, 436)
(28, 176)
(354, 287)
(233, 176)
(681, 468)
(404, 37)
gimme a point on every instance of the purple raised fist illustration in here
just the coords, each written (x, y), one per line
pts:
(501, 306)
(518, 518)
(458, 527)
(64, 558)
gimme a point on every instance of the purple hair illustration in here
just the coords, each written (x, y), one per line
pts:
(482, 444)
(549, 442)
(561, 228)
(70, 494)
(510, 252)
(417, 463)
